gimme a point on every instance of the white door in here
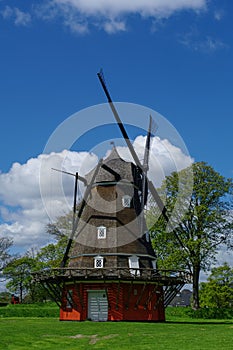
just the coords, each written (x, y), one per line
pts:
(97, 305)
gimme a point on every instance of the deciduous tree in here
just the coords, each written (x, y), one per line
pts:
(218, 290)
(206, 225)
(18, 273)
(5, 244)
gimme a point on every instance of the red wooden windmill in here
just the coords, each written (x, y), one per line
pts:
(109, 272)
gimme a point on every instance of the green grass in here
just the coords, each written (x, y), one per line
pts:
(50, 333)
(37, 327)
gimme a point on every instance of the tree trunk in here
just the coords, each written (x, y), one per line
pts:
(196, 275)
(21, 291)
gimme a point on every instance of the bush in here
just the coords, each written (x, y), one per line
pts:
(177, 311)
(208, 313)
(30, 310)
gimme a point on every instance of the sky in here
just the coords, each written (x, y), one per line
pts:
(173, 57)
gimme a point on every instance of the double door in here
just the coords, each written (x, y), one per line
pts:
(97, 305)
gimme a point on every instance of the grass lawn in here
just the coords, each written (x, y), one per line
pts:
(49, 333)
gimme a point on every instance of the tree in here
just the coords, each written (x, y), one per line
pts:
(18, 273)
(51, 255)
(5, 297)
(5, 244)
(217, 292)
(206, 225)
(62, 227)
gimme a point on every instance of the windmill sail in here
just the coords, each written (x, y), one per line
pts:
(76, 221)
(132, 151)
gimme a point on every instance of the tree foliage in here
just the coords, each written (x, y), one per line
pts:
(217, 292)
(62, 227)
(18, 273)
(206, 225)
(51, 255)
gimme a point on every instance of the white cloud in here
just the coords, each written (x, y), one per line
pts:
(24, 214)
(19, 17)
(22, 209)
(22, 18)
(195, 41)
(155, 8)
(113, 26)
(80, 15)
(111, 16)
(164, 157)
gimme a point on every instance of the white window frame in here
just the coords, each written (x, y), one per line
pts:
(147, 236)
(101, 232)
(134, 265)
(126, 201)
(98, 262)
(154, 264)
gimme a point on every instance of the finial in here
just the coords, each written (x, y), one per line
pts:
(113, 144)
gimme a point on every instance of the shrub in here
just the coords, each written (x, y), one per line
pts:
(208, 313)
(30, 310)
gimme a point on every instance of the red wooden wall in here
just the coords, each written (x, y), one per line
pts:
(126, 301)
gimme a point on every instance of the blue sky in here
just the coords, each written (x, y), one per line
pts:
(172, 56)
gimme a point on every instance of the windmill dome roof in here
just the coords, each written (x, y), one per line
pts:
(113, 168)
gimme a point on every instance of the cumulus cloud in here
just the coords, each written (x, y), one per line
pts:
(23, 212)
(32, 194)
(164, 157)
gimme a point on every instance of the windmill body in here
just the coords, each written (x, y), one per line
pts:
(112, 260)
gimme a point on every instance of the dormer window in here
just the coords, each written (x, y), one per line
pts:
(101, 232)
(134, 265)
(98, 262)
(126, 201)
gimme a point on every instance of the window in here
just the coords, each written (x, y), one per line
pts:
(102, 230)
(126, 201)
(154, 264)
(69, 298)
(147, 236)
(134, 265)
(98, 262)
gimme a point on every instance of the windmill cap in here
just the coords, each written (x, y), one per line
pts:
(113, 169)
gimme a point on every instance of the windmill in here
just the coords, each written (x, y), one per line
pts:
(109, 271)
